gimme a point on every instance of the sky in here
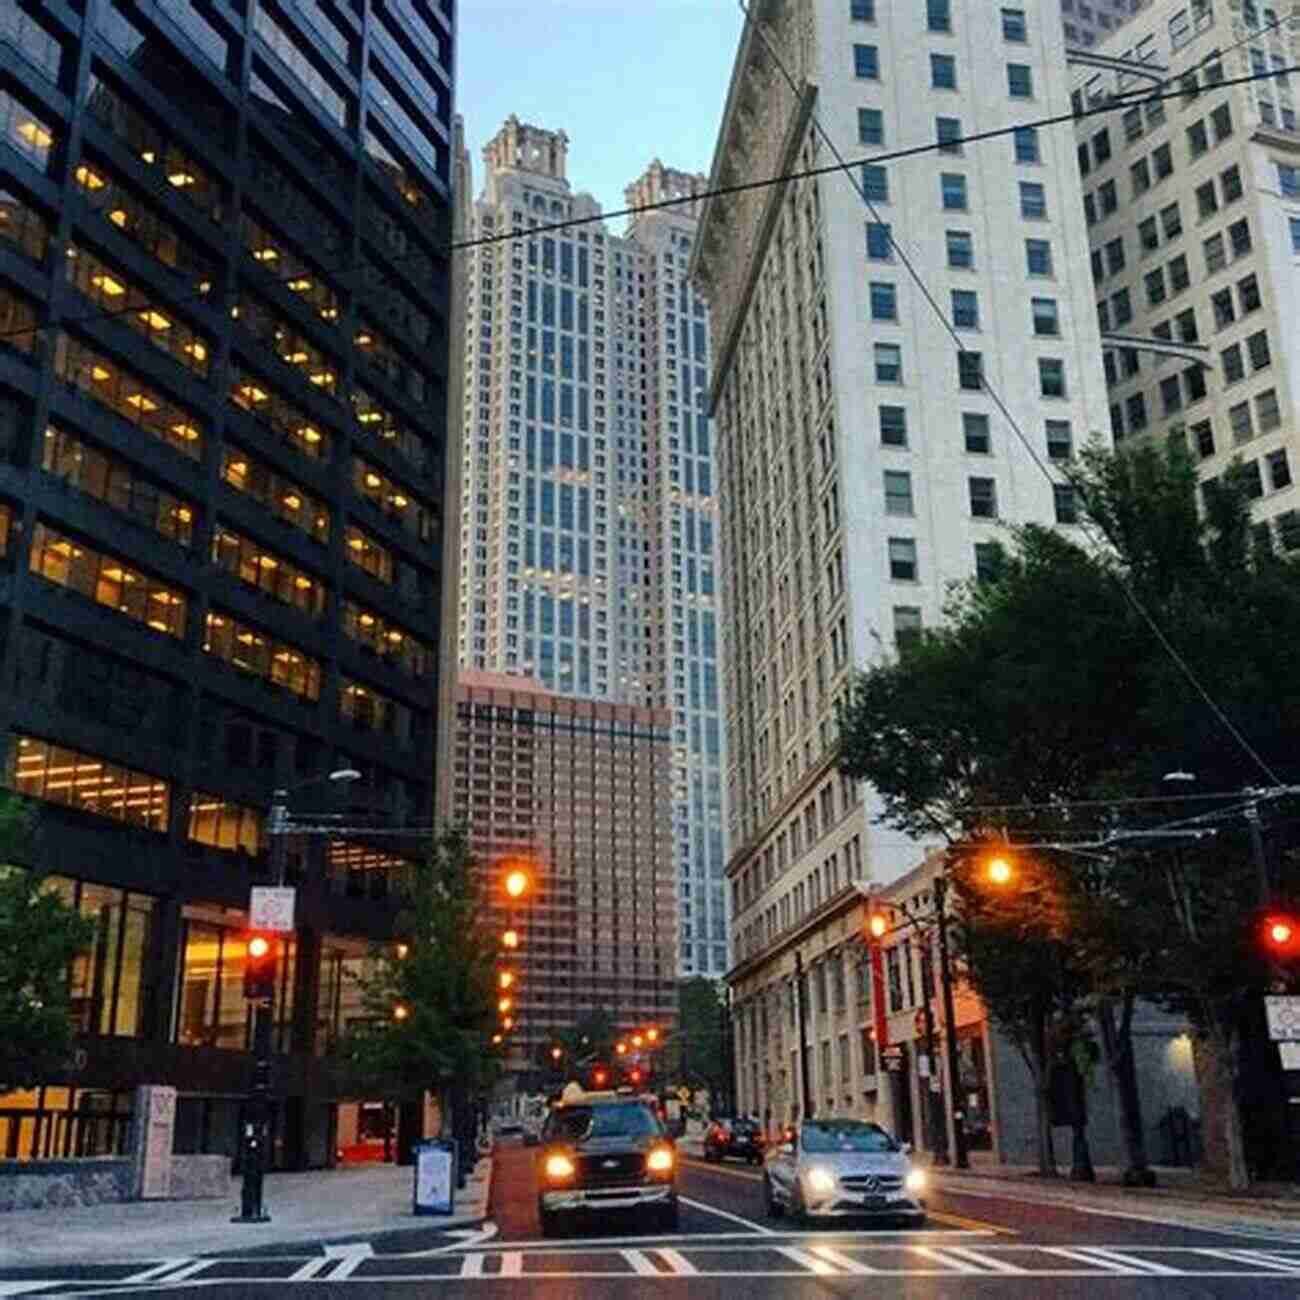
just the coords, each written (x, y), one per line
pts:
(626, 80)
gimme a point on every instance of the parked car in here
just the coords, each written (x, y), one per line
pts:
(602, 1153)
(837, 1168)
(739, 1139)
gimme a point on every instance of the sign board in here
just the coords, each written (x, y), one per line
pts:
(435, 1164)
(271, 908)
(154, 1122)
(1283, 1018)
(1290, 1055)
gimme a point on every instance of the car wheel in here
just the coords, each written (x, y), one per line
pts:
(771, 1205)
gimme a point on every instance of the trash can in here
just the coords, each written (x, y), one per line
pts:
(435, 1177)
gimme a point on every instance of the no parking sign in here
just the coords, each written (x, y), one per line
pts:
(1283, 1018)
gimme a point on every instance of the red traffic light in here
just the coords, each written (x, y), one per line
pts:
(260, 967)
(1281, 934)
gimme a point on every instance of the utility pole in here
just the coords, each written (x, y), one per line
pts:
(1257, 852)
(809, 1107)
(960, 1159)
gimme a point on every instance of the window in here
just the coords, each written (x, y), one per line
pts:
(965, 310)
(1239, 420)
(889, 363)
(907, 632)
(1033, 201)
(884, 301)
(938, 15)
(871, 126)
(1103, 318)
(1248, 294)
(1060, 442)
(1163, 162)
(22, 227)
(1013, 25)
(1132, 121)
(1221, 121)
(1207, 203)
(1186, 322)
(1179, 275)
(970, 371)
(1234, 367)
(943, 72)
(247, 649)
(1140, 174)
(1051, 377)
(1295, 234)
(952, 188)
(41, 770)
(1020, 81)
(866, 62)
(1194, 382)
(1065, 503)
(1101, 147)
(267, 571)
(862, 11)
(880, 245)
(1026, 144)
(1121, 306)
(1279, 470)
(902, 559)
(1085, 160)
(983, 498)
(1171, 394)
(1038, 256)
(947, 132)
(26, 131)
(1148, 235)
(875, 183)
(1108, 197)
(1115, 255)
(898, 492)
(1046, 316)
(1198, 140)
(1239, 237)
(1171, 221)
(1203, 439)
(1136, 410)
(893, 426)
(1230, 184)
(1155, 286)
(975, 433)
(1288, 180)
(961, 249)
(1216, 258)
(1267, 411)
(1258, 350)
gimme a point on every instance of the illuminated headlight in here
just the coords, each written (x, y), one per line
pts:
(916, 1180)
(558, 1168)
(820, 1180)
(660, 1160)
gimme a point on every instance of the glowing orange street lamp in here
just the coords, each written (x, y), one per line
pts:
(505, 979)
(517, 882)
(402, 951)
(556, 1053)
(652, 1035)
(636, 1040)
(496, 1040)
(504, 1005)
(507, 1023)
(510, 939)
(999, 871)
(878, 925)
(401, 1011)
(620, 1048)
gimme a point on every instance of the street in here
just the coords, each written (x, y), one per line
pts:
(973, 1241)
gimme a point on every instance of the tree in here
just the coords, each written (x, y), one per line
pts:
(696, 1055)
(40, 936)
(430, 996)
(1068, 679)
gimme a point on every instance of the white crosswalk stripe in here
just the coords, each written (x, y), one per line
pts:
(845, 1263)
(1264, 1258)
(1113, 1261)
(311, 1268)
(349, 1263)
(512, 1263)
(156, 1271)
(678, 1262)
(641, 1263)
(965, 1261)
(806, 1260)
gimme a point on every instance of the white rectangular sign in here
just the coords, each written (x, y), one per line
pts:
(1290, 1055)
(271, 908)
(1283, 1018)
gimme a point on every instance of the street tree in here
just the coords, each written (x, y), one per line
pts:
(429, 996)
(697, 1054)
(40, 937)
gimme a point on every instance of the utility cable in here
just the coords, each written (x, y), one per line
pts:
(847, 168)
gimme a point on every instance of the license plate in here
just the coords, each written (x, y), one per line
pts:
(871, 1202)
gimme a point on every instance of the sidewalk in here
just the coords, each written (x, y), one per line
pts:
(307, 1210)
(1178, 1187)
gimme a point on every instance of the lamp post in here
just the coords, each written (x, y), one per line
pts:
(809, 1106)
(960, 1159)
(255, 1138)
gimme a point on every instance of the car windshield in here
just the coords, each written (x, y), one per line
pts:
(610, 1120)
(839, 1135)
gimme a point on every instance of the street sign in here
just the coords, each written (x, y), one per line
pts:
(1290, 1055)
(1283, 1018)
(271, 908)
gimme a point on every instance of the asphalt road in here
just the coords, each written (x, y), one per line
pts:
(976, 1245)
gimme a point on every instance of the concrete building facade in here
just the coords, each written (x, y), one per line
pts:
(581, 789)
(589, 538)
(1087, 23)
(1193, 207)
(863, 464)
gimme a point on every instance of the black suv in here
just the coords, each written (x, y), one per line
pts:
(604, 1152)
(741, 1139)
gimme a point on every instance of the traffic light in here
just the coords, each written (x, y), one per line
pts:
(634, 1076)
(1281, 935)
(259, 967)
(598, 1077)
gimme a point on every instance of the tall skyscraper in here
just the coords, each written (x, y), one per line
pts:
(863, 461)
(1089, 22)
(223, 288)
(1194, 215)
(588, 547)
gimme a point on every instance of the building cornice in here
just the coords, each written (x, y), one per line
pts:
(838, 905)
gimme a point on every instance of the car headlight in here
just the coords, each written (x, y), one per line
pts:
(558, 1168)
(820, 1180)
(660, 1160)
(916, 1180)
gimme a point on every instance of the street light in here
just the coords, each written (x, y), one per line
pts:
(505, 979)
(504, 1005)
(878, 925)
(510, 939)
(999, 871)
(517, 883)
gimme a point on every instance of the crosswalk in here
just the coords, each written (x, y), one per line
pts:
(797, 1257)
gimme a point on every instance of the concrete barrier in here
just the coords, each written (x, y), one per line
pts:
(96, 1180)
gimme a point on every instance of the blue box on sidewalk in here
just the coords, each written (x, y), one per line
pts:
(435, 1177)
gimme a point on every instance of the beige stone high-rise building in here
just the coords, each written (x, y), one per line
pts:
(588, 545)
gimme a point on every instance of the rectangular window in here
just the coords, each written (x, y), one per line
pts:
(1258, 350)
(1108, 197)
(907, 632)
(1038, 256)
(889, 363)
(902, 559)
(862, 11)
(1046, 316)
(880, 246)
(282, 497)
(1065, 503)
(1121, 306)
(1051, 377)
(938, 15)
(943, 72)
(1232, 364)
(1207, 204)
(1136, 410)
(1279, 469)
(223, 824)
(1115, 261)
(1239, 419)
(29, 133)
(267, 571)
(1026, 144)
(1155, 286)
(961, 249)
(371, 710)
(898, 492)
(1171, 221)
(875, 183)
(1239, 237)
(871, 126)
(1203, 439)
(947, 132)
(1013, 25)
(1171, 394)
(975, 433)
(251, 651)
(965, 310)
(1033, 201)
(1230, 184)
(866, 62)
(983, 498)
(1140, 175)
(1267, 411)
(1162, 159)
(39, 769)
(952, 189)
(1060, 441)
(1221, 121)
(1216, 257)
(893, 426)
(1180, 277)
(884, 301)
(970, 371)
(1198, 140)
(1101, 147)
(1148, 235)
(1020, 81)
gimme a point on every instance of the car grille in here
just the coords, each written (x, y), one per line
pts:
(868, 1183)
(623, 1170)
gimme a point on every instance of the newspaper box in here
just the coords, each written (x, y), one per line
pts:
(435, 1177)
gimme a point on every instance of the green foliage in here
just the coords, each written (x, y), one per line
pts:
(696, 1055)
(39, 938)
(446, 983)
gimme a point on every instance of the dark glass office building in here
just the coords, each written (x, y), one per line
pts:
(224, 292)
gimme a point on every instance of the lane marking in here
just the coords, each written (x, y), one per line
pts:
(1113, 1261)
(472, 1266)
(1288, 1265)
(512, 1264)
(641, 1263)
(807, 1261)
(965, 1267)
(155, 1271)
(678, 1262)
(310, 1268)
(990, 1263)
(961, 1221)
(349, 1263)
(841, 1261)
(20, 1288)
(726, 1214)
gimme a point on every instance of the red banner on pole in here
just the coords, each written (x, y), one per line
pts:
(878, 998)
